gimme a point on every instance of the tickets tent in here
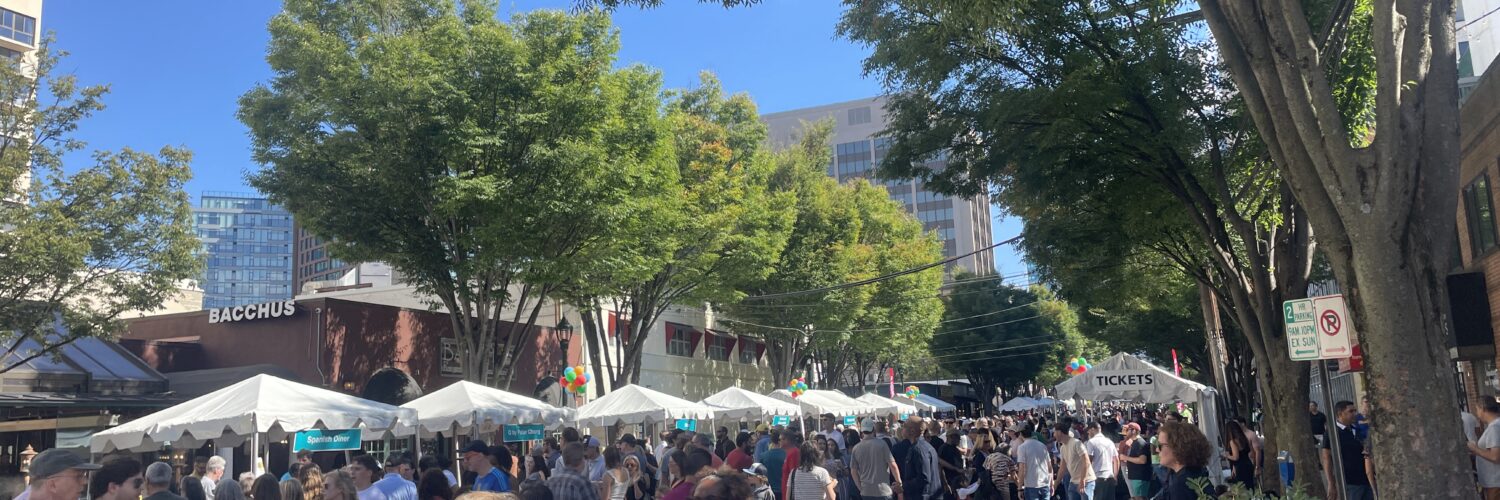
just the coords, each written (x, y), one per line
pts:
(259, 410)
(1126, 377)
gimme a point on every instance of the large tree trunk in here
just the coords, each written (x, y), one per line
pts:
(1383, 213)
(1288, 425)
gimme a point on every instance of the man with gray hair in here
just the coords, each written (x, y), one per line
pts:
(706, 443)
(57, 474)
(212, 475)
(159, 482)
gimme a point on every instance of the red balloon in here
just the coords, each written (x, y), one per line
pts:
(563, 381)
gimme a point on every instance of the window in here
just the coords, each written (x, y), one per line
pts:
(1479, 210)
(747, 352)
(859, 116)
(679, 340)
(718, 347)
(1458, 17)
(17, 26)
(1465, 61)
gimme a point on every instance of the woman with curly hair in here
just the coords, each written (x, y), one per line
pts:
(1185, 453)
(311, 478)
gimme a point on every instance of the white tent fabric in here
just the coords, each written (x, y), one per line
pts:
(818, 402)
(1020, 403)
(273, 407)
(887, 406)
(927, 403)
(736, 403)
(470, 405)
(1127, 377)
(634, 404)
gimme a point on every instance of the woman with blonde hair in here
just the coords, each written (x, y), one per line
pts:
(311, 478)
(339, 485)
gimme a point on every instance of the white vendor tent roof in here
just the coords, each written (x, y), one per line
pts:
(887, 406)
(468, 404)
(261, 404)
(634, 404)
(737, 403)
(826, 402)
(1124, 376)
(927, 403)
(1020, 403)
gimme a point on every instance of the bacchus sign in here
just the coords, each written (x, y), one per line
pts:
(252, 311)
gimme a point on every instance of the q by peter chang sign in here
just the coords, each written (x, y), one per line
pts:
(1125, 380)
(253, 311)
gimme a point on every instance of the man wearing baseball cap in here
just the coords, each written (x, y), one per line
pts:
(57, 474)
(159, 482)
(476, 459)
(1137, 459)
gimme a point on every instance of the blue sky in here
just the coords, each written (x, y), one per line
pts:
(176, 68)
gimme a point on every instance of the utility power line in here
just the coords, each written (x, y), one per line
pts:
(881, 278)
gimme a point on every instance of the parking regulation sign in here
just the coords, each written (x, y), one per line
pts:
(1334, 327)
(1301, 329)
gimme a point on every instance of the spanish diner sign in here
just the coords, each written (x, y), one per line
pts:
(264, 310)
(1124, 380)
(327, 440)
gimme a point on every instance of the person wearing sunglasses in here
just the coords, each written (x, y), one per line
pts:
(1184, 453)
(119, 478)
(56, 474)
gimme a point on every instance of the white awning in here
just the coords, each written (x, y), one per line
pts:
(470, 405)
(888, 406)
(634, 404)
(734, 403)
(827, 402)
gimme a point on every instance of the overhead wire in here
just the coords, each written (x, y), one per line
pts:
(880, 278)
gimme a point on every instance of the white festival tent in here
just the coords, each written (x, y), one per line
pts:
(1020, 403)
(821, 402)
(887, 405)
(261, 406)
(1126, 377)
(466, 405)
(927, 403)
(735, 403)
(634, 404)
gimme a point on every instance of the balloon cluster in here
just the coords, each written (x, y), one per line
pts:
(797, 386)
(576, 379)
(912, 392)
(1077, 366)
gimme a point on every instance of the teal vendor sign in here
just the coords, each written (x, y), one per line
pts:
(849, 420)
(327, 440)
(687, 424)
(520, 433)
(781, 420)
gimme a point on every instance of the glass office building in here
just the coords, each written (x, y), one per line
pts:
(248, 243)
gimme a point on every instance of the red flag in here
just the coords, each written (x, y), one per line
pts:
(1176, 367)
(890, 374)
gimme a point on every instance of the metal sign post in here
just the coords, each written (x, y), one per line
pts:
(1335, 458)
(1318, 329)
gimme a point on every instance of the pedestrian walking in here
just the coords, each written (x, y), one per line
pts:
(1105, 458)
(1354, 459)
(1184, 453)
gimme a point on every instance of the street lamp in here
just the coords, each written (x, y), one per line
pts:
(26, 457)
(564, 334)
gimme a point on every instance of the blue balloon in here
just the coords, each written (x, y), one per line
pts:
(1073, 365)
(588, 377)
(568, 371)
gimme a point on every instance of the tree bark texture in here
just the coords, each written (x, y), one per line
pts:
(1384, 213)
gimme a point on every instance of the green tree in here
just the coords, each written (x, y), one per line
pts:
(491, 163)
(716, 229)
(1111, 132)
(1379, 188)
(80, 245)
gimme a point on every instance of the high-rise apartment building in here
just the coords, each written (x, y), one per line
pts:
(20, 35)
(1477, 24)
(313, 263)
(962, 225)
(248, 242)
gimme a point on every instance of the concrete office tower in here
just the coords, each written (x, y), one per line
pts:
(1477, 26)
(248, 243)
(962, 225)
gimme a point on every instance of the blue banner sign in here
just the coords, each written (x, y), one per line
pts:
(781, 420)
(687, 424)
(849, 420)
(519, 433)
(329, 440)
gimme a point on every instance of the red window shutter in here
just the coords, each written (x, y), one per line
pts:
(613, 321)
(728, 345)
(666, 340)
(693, 345)
(760, 350)
(622, 325)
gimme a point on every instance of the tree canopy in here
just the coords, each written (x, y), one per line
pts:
(80, 244)
(491, 163)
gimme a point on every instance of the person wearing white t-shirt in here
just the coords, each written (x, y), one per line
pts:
(1035, 464)
(1104, 456)
(1488, 450)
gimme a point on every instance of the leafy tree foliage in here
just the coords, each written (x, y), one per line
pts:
(491, 163)
(717, 228)
(80, 245)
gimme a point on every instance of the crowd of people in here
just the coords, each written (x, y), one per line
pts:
(1103, 455)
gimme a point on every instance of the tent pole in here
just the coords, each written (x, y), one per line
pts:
(458, 458)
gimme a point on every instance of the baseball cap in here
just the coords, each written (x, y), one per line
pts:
(477, 446)
(1133, 425)
(629, 439)
(762, 428)
(159, 473)
(756, 470)
(591, 442)
(54, 461)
